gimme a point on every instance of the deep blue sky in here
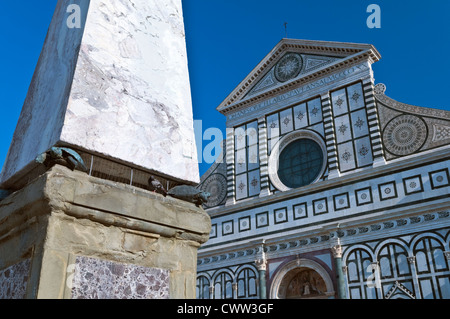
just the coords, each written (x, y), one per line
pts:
(226, 39)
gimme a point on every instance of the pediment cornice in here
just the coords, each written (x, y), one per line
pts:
(348, 53)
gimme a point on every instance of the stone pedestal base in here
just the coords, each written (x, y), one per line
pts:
(68, 235)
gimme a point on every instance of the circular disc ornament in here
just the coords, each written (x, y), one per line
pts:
(405, 135)
(288, 67)
(216, 185)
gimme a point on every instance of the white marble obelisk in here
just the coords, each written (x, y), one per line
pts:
(117, 86)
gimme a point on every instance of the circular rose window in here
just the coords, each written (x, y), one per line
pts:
(297, 160)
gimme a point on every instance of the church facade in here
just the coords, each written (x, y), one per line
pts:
(326, 188)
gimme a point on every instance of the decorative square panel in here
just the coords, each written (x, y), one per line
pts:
(280, 215)
(363, 149)
(241, 186)
(315, 111)
(413, 184)
(339, 102)
(439, 178)
(387, 190)
(254, 184)
(244, 224)
(262, 219)
(300, 116)
(253, 157)
(240, 137)
(14, 280)
(341, 201)
(227, 228)
(240, 161)
(286, 121)
(213, 233)
(300, 211)
(364, 196)
(273, 126)
(359, 123)
(343, 130)
(104, 279)
(320, 206)
(252, 133)
(355, 96)
(346, 156)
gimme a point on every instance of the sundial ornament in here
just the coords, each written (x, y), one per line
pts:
(288, 67)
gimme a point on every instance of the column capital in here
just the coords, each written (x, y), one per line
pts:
(411, 259)
(261, 264)
(337, 251)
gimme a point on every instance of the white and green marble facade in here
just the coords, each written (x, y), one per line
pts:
(381, 201)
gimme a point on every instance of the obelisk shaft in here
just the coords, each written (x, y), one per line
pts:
(117, 86)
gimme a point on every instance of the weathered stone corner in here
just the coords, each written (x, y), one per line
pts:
(65, 227)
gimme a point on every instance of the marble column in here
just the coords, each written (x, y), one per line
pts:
(261, 265)
(337, 255)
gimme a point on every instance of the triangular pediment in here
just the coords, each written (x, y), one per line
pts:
(293, 61)
(300, 63)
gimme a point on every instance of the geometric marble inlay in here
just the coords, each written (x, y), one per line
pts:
(440, 132)
(103, 279)
(216, 185)
(405, 134)
(14, 280)
(387, 190)
(288, 67)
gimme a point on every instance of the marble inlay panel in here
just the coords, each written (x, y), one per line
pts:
(240, 133)
(103, 279)
(363, 151)
(315, 111)
(359, 123)
(273, 126)
(14, 280)
(241, 186)
(254, 187)
(252, 133)
(287, 123)
(339, 100)
(343, 129)
(241, 161)
(355, 96)
(346, 156)
(300, 116)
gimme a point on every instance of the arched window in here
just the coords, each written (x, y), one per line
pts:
(393, 261)
(202, 288)
(432, 269)
(223, 286)
(359, 272)
(247, 284)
